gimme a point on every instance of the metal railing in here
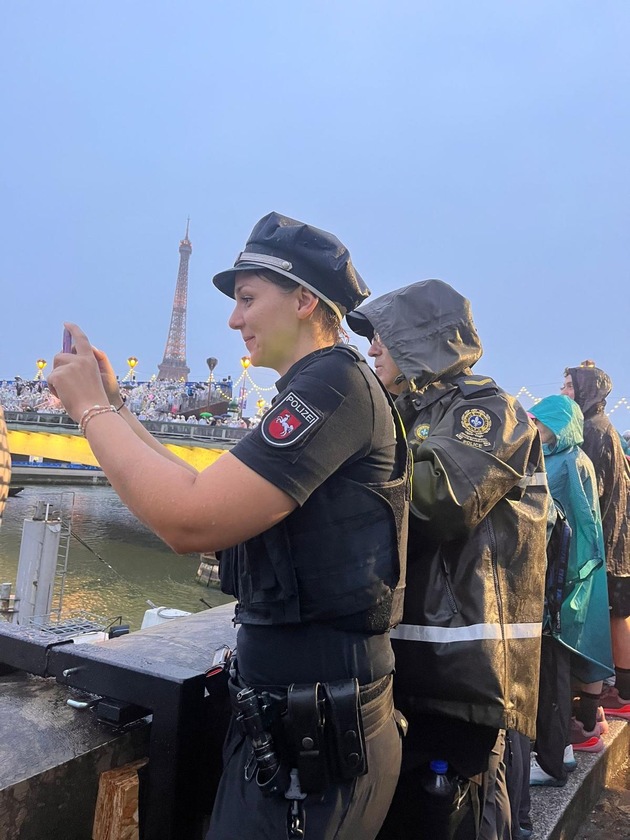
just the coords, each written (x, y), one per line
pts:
(160, 428)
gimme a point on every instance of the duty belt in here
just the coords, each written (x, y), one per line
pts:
(318, 728)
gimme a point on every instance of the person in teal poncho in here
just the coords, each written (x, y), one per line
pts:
(584, 625)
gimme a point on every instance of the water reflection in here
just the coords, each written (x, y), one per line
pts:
(134, 566)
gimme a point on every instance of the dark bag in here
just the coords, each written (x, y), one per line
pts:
(557, 565)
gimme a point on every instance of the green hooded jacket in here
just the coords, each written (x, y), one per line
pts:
(584, 620)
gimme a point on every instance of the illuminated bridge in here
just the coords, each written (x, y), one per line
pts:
(57, 438)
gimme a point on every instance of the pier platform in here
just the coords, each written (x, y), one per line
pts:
(51, 756)
(558, 813)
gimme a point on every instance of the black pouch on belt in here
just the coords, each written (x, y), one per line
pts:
(344, 727)
(305, 733)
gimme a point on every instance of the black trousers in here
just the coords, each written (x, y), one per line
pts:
(483, 809)
(351, 810)
(517, 753)
(554, 707)
(496, 817)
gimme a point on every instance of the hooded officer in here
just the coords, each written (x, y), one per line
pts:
(467, 649)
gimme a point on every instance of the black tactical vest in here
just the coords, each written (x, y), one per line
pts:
(338, 559)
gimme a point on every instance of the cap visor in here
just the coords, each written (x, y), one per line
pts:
(359, 324)
(224, 280)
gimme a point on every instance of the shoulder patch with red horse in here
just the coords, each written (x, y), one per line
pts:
(288, 421)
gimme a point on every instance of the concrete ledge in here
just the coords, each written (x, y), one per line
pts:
(558, 813)
(51, 760)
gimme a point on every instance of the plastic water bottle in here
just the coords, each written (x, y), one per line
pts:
(440, 794)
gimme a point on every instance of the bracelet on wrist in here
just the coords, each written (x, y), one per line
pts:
(92, 412)
(123, 401)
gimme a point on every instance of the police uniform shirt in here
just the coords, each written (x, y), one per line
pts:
(330, 414)
(325, 416)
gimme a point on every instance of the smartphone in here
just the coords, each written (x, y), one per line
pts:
(66, 342)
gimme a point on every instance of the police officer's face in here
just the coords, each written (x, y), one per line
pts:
(265, 316)
(386, 368)
(567, 389)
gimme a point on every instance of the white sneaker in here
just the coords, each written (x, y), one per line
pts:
(537, 775)
(569, 759)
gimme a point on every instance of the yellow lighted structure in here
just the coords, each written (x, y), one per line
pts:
(75, 449)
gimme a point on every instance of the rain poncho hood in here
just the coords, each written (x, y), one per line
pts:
(565, 419)
(591, 386)
(427, 327)
(584, 621)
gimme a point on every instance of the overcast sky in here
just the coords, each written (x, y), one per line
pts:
(484, 143)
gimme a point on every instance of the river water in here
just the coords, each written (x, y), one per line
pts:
(135, 566)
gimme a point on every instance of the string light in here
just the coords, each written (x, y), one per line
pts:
(622, 402)
(529, 394)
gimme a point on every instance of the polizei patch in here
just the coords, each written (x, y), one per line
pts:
(288, 421)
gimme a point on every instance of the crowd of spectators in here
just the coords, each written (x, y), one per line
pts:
(159, 400)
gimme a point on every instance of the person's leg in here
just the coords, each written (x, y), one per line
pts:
(515, 773)
(413, 812)
(616, 701)
(620, 632)
(344, 811)
(496, 817)
(517, 763)
(588, 704)
(554, 708)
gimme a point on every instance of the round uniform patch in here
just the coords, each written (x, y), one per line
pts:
(422, 431)
(476, 421)
(288, 421)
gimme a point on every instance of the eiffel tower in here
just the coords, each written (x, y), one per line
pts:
(173, 364)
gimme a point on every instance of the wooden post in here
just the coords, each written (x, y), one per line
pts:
(116, 814)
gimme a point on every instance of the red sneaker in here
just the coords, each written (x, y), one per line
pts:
(613, 704)
(585, 741)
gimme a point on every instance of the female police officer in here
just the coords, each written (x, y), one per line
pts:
(309, 512)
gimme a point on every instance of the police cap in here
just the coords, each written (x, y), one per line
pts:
(311, 257)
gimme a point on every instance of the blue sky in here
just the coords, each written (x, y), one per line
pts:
(484, 143)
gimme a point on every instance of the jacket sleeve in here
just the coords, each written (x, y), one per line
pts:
(587, 526)
(457, 481)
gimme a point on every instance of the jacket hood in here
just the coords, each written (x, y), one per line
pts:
(591, 386)
(565, 419)
(427, 327)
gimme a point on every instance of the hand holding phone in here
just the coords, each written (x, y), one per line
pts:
(66, 342)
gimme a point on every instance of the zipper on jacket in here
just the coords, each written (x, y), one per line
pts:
(447, 584)
(495, 574)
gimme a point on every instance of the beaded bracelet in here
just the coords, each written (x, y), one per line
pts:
(89, 413)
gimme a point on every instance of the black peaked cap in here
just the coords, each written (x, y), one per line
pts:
(312, 257)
